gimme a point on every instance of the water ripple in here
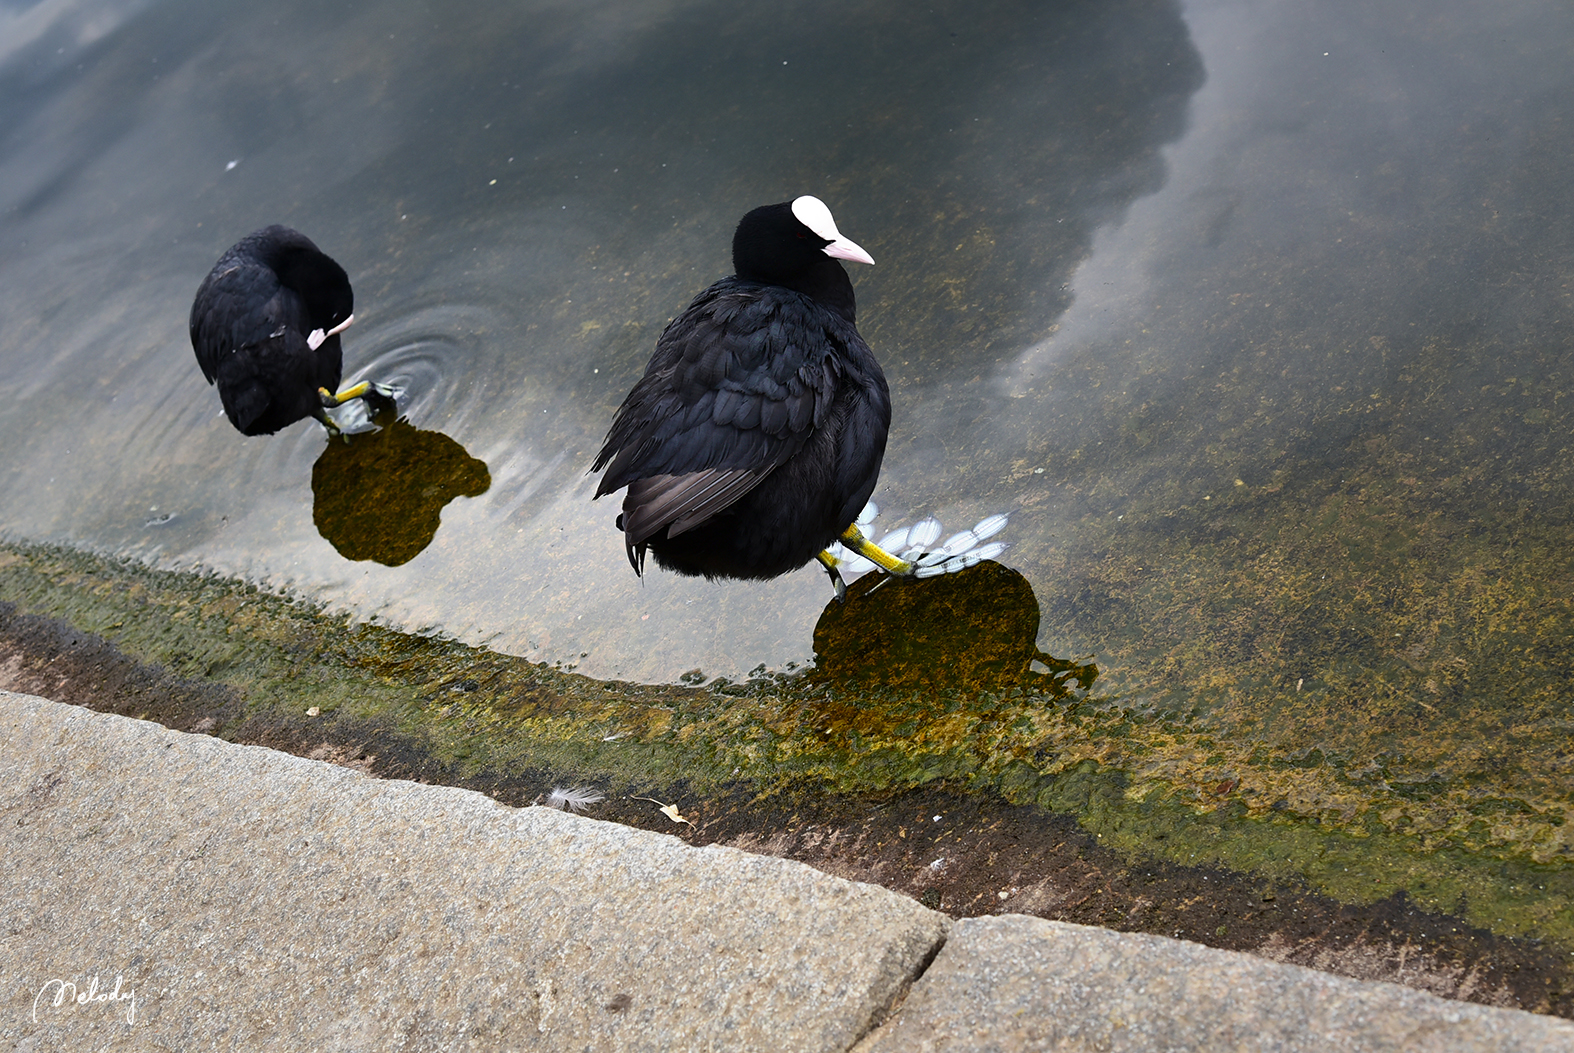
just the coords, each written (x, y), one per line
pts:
(438, 358)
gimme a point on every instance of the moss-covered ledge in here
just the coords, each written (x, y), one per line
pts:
(1038, 734)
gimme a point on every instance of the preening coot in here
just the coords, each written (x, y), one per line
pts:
(265, 326)
(755, 437)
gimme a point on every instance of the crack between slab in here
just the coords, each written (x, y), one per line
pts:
(881, 1015)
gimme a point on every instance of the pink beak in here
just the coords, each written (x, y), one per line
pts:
(842, 249)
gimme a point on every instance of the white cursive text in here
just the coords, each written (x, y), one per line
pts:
(87, 996)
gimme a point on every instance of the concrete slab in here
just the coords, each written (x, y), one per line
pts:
(1015, 983)
(163, 890)
(171, 891)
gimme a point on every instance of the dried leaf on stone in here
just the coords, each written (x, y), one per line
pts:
(669, 810)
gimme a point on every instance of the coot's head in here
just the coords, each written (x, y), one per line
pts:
(781, 244)
(305, 268)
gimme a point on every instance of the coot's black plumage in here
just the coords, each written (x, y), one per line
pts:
(265, 326)
(756, 435)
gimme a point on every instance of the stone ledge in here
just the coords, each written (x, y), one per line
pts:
(1013, 983)
(249, 899)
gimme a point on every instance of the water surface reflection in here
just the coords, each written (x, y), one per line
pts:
(969, 633)
(379, 495)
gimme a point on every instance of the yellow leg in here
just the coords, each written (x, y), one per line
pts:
(357, 391)
(855, 541)
(829, 562)
(329, 425)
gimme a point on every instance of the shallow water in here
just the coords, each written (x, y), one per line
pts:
(523, 198)
(1255, 315)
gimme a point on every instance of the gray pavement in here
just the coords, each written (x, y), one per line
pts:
(174, 891)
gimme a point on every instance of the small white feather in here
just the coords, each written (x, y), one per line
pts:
(574, 800)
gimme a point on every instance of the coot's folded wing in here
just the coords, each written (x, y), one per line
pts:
(241, 305)
(671, 504)
(734, 389)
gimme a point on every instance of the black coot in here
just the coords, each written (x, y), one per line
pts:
(265, 326)
(755, 437)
